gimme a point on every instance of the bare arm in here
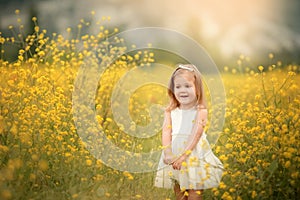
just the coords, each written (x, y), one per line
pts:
(197, 130)
(167, 138)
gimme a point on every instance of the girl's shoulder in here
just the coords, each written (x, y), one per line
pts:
(201, 107)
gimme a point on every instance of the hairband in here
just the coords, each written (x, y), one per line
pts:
(185, 67)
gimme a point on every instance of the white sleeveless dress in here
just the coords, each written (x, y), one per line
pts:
(202, 169)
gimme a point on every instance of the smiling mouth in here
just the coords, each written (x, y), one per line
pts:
(183, 96)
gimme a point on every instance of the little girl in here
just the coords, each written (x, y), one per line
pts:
(187, 162)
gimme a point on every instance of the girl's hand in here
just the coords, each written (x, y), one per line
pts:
(178, 163)
(168, 159)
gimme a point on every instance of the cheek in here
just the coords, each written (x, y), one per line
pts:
(192, 90)
(176, 92)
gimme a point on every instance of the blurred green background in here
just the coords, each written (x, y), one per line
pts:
(226, 29)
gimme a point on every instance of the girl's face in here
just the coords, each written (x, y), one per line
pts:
(185, 91)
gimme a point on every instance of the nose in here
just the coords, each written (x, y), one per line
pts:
(182, 89)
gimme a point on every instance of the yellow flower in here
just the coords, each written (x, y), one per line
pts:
(232, 190)
(260, 68)
(35, 157)
(228, 146)
(68, 154)
(6, 194)
(226, 196)
(223, 157)
(287, 155)
(43, 165)
(253, 194)
(32, 177)
(186, 193)
(188, 152)
(287, 164)
(222, 185)
(295, 175)
(36, 29)
(3, 148)
(128, 175)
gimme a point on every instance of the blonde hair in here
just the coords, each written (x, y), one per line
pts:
(186, 68)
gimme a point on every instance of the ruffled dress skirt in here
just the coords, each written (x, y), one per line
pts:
(201, 170)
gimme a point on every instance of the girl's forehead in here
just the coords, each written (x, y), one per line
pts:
(184, 77)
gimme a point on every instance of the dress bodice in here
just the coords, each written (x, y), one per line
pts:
(182, 121)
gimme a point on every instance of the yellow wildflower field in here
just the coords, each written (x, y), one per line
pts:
(43, 157)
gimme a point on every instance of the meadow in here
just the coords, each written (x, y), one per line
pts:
(43, 157)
